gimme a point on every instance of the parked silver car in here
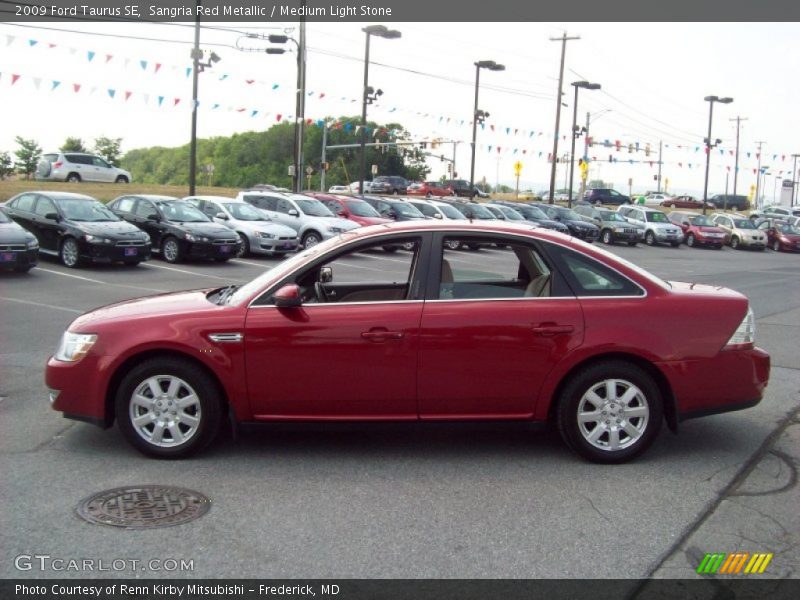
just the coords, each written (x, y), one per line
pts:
(658, 229)
(309, 217)
(613, 227)
(259, 234)
(78, 166)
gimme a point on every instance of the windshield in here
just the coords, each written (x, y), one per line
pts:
(786, 228)
(536, 213)
(657, 217)
(451, 212)
(566, 213)
(361, 209)
(511, 214)
(611, 216)
(244, 212)
(407, 210)
(702, 221)
(481, 212)
(743, 224)
(313, 208)
(4, 218)
(85, 210)
(181, 212)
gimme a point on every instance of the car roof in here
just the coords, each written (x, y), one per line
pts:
(60, 195)
(215, 199)
(153, 197)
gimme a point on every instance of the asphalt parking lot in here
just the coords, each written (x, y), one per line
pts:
(375, 501)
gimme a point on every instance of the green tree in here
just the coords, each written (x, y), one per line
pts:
(108, 148)
(73, 144)
(6, 165)
(28, 156)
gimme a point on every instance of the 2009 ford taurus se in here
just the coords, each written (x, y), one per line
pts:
(536, 326)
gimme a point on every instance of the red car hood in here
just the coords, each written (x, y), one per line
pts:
(174, 303)
(706, 229)
(364, 221)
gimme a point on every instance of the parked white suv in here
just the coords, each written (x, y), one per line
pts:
(657, 227)
(77, 166)
(309, 217)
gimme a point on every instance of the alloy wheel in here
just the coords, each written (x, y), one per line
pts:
(165, 411)
(69, 253)
(613, 414)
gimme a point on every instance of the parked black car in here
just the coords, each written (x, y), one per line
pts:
(605, 196)
(577, 227)
(389, 184)
(730, 202)
(389, 208)
(461, 187)
(177, 229)
(19, 249)
(535, 215)
(78, 228)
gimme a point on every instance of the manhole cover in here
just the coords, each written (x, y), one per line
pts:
(144, 507)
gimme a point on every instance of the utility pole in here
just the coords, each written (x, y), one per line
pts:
(196, 54)
(758, 175)
(585, 154)
(660, 162)
(322, 158)
(563, 39)
(795, 181)
(736, 167)
(300, 107)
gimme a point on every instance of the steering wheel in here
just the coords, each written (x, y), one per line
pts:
(319, 292)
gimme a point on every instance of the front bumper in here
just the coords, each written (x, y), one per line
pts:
(260, 245)
(587, 235)
(77, 389)
(11, 258)
(619, 235)
(211, 250)
(706, 240)
(109, 253)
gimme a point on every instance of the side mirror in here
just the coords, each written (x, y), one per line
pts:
(391, 214)
(221, 215)
(293, 213)
(437, 215)
(326, 275)
(288, 296)
(341, 213)
(153, 217)
(52, 217)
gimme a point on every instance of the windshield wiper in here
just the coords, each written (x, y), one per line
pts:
(226, 293)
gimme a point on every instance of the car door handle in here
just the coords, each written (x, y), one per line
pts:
(550, 329)
(380, 334)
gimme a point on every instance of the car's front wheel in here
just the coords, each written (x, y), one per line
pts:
(244, 247)
(610, 412)
(312, 238)
(171, 250)
(690, 240)
(168, 407)
(606, 237)
(121, 179)
(776, 245)
(70, 254)
(735, 243)
(650, 238)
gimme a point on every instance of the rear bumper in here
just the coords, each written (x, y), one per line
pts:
(19, 259)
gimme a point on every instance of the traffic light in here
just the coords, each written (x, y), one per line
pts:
(441, 158)
(618, 144)
(449, 168)
(610, 158)
(423, 145)
(630, 148)
(647, 150)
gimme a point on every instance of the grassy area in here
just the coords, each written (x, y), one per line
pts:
(106, 191)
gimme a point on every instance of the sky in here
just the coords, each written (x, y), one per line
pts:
(56, 83)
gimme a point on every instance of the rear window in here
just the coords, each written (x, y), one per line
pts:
(50, 157)
(589, 277)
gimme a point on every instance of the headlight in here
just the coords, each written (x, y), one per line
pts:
(33, 244)
(189, 237)
(95, 239)
(265, 235)
(74, 346)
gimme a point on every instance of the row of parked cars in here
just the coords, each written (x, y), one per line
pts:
(79, 229)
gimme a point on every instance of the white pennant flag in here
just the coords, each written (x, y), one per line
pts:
(147, 98)
(73, 50)
(10, 39)
(37, 82)
(127, 62)
(93, 90)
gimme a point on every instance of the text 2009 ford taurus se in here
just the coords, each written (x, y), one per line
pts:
(536, 326)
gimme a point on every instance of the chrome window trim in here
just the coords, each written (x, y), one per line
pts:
(326, 304)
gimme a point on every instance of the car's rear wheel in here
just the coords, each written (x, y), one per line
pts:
(673, 205)
(390, 249)
(171, 250)
(69, 254)
(606, 237)
(428, 195)
(610, 412)
(650, 238)
(690, 240)
(244, 248)
(452, 244)
(735, 243)
(168, 408)
(632, 243)
(598, 202)
(121, 179)
(73, 178)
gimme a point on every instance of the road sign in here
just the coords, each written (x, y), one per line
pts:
(517, 168)
(309, 170)
(374, 169)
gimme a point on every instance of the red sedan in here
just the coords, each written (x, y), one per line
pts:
(685, 202)
(351, 208)
(431, 189)
(698, 230)
(548, 329)
(781, 235)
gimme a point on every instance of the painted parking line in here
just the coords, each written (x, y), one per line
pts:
(187, 272)
(264, 266)
(122, 285)
(50, 306)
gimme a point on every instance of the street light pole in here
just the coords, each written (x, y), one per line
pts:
(758, 175)
(736, 162)
(478, 115)
(795, 181)
(709, 145)
(196, 54)
(389, 34)
(563, 39)
(588, 86)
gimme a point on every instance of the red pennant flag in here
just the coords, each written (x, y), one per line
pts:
(76, 87)
(250, 81)
(321, 95)
(239, 110)
(176, 101)
(680, 165)
(309, 121)
(51, 45)
(498, 149)
(754, 171)
(158, 66)
(14, 79)
(758, 155)
(491, 127)
(728, 168)
(127, 95)
(109, 57)
(278, 117)
(783, 157)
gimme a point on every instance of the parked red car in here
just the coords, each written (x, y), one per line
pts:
(685, 202)
(548, 329)
(347, 207)
(430, 189)
(781, 235)
(698, 230)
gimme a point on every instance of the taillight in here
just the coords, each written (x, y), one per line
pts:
(745, 334)
(57, 164)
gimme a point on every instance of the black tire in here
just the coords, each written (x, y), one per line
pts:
(222, 259)
(632, 243)
(650, 238)
(718, 247)
(311, 238)
(121, 179)
(131, 263)
(675, 244)
(73, 178)
(244, 248)
(452, 244)
(69, 253)
(673, 206)
(207, 410)
(390, 249)
(690, 240)
(24, 269)
(735, 243)
(428, 195)
(598, 202)
(606, 237)
(395, 192)
(44, 168)
(171, 250)
(593, 377)
(474, 247)
(776, 246)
